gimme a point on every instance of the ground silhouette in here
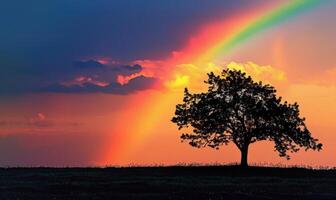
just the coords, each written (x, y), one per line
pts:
(205, 182)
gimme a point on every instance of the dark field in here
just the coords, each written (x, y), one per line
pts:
(228, 182)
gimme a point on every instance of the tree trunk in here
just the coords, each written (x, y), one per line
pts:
(243, 161)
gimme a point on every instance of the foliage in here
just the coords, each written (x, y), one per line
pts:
(237, 109)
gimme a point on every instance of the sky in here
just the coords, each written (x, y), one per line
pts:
(95, 83)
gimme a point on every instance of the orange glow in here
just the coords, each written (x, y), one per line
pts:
(146, 120)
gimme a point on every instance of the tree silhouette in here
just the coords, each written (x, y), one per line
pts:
(236, 108)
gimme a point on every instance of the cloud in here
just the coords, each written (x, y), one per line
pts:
(95, 77)
(193, 75)
(264, 73)
(87, 64)
(99, 67)
(140, 83)
(180, 81)
(89, 76)
(135, 84)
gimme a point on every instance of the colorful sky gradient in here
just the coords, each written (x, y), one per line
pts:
(87, 83)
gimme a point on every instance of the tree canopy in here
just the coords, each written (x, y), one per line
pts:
(237, 109)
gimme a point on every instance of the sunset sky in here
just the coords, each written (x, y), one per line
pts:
(95, 83)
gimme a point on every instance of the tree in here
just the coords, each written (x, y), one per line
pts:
(237, 109)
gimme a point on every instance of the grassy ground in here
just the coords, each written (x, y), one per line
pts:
(220, 182)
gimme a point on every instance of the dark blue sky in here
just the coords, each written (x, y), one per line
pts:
(39, 39)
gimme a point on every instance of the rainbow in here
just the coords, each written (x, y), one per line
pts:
(213, 42)
(257, 24)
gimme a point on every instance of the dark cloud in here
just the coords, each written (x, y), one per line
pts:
(88, 76)
(140, 83)
(136, 84)
(127, 69)
(87, 64)
(94, 77)
(135, 67)
(94, 66)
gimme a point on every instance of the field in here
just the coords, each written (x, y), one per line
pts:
(218, 182)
